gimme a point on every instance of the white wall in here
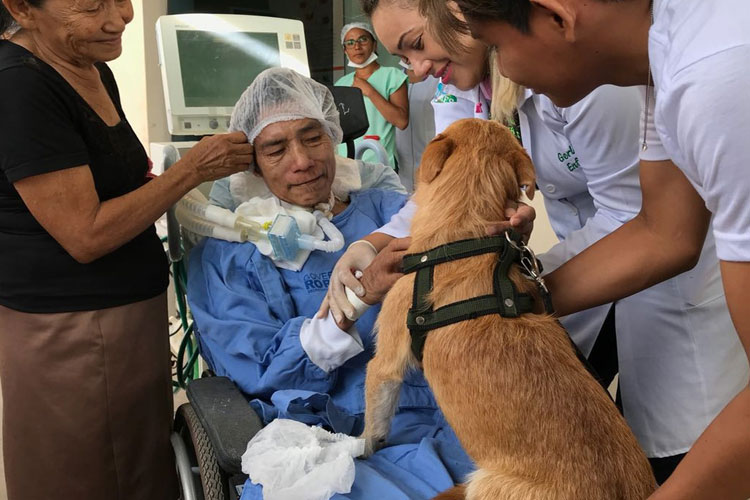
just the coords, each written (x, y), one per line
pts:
(543, 236)
(138, 76)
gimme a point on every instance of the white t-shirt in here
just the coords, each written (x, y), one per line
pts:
(700, 60)
(680, 358)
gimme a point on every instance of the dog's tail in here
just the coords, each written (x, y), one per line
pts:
(455, 493)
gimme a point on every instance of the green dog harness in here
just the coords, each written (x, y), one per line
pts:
(505, 299)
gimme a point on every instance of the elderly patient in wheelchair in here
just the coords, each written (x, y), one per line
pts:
(255, 303)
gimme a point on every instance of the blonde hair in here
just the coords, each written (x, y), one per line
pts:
(443, 24)
(505, 94)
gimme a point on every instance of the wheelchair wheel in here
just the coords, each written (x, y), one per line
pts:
(201, 455)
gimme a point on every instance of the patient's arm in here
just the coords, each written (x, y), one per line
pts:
(251, 327)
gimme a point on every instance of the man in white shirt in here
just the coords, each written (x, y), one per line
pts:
(697, 138)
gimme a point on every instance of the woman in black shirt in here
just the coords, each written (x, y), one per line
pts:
(84, 354)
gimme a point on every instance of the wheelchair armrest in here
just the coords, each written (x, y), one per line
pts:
(226, 416)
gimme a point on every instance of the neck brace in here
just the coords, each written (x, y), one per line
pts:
(373, 57)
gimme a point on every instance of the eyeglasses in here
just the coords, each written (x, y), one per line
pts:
(363, 40)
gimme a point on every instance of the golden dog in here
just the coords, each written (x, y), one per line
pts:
(535, 422)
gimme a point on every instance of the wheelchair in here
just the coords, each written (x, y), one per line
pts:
(212, 430)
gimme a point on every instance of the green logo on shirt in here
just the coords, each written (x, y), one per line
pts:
(566, 155)
(446, 98)
(441, 96)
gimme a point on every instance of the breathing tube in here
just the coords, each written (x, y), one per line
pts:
(195, 214)
(286, 239)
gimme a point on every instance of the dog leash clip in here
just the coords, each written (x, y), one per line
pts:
(513, 243)
(530, 264)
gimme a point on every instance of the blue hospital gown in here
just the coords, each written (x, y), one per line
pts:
(249, 314)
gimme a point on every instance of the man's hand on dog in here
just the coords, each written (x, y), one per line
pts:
(384, 271)
(520, 217)
(379, 276)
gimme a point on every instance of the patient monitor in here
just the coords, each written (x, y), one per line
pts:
(208, 60)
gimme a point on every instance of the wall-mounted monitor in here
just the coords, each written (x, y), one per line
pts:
(208, 60)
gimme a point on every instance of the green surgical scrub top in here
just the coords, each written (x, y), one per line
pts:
(386, 81)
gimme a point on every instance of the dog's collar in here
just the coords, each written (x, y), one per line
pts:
(505, 301)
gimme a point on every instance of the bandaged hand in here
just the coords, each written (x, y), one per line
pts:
(357, 257)
(380, 276)
(520, 218)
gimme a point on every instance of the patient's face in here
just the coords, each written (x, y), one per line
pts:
(296, 160)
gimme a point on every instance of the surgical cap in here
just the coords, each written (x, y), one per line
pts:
(282, 94)
(363, 26)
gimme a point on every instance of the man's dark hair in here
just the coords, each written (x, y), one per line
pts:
(369, 6)
(514, 12)
(7, 23)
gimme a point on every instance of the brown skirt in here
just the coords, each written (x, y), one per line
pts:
(87, 403)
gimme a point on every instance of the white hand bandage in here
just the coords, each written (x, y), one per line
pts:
(359, 306)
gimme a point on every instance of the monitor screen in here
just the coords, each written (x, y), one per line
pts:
(217, 67)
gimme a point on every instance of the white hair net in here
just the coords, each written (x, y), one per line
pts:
(363, 26)
(282, 94)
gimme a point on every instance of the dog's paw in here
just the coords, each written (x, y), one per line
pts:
(372, 445)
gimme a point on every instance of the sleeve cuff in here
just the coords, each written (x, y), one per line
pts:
(47, 165)
(327, 345)
(732, 247)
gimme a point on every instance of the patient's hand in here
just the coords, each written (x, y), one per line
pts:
(384, 271)
(377, 278)
(357, 257)
(520, 217)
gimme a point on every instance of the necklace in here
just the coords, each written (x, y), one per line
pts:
(644, 145)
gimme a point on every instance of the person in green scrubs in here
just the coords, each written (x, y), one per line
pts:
(384, 89)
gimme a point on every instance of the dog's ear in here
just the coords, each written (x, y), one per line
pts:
(524, 169)
(434, 156)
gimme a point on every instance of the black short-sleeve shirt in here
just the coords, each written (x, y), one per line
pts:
(45, 126)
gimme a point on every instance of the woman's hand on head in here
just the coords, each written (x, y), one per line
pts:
(520, 217)
(219, 156)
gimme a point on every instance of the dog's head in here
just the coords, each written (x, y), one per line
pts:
(477, 164)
